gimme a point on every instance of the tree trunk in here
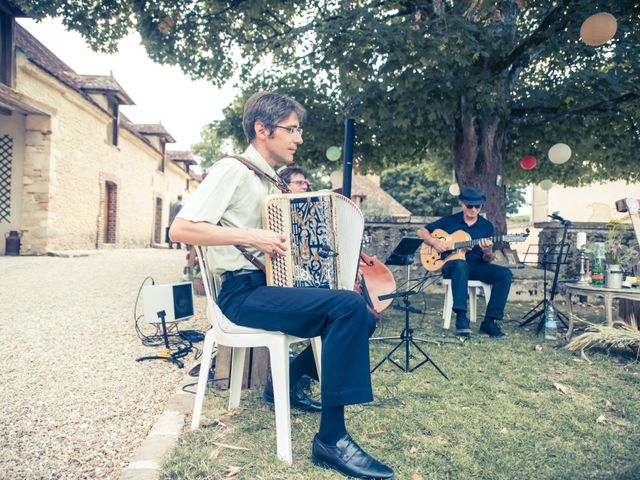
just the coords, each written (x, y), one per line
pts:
(479, 147)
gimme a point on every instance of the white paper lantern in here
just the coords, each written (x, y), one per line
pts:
(598, 29)
(546, 184)
(559, 153)
(333, 153)
(454, 189)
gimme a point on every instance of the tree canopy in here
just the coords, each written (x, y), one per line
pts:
(475, 84)
(412, 186)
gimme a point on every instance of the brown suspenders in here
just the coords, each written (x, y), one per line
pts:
(280, 185)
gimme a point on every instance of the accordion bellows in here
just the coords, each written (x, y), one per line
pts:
(325, 234)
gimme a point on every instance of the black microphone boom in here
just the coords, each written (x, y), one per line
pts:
(557, 217)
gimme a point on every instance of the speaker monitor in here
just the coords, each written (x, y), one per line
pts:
(175, 299)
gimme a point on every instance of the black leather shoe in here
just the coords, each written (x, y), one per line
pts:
(298, 398)
(349, 459)
(491, 328)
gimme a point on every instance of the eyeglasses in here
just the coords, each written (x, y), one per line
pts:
(291, 130)
(471, 207)
(300, 183)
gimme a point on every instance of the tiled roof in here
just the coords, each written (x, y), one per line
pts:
(36, 52)
(181, 156)
(42, 56)
(364, 186)
(48, 61)
(101, 83)
(16, 102)
(153, 129)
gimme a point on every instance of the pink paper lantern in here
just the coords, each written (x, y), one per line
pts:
(528, 162)
(598, 29)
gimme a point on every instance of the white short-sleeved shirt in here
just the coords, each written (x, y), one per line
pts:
(231, 195)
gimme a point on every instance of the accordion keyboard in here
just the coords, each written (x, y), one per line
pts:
(277, 223)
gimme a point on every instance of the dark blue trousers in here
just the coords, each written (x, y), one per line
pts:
(461, 271)
(339, 317)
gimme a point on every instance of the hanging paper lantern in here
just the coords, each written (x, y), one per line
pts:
(559, 153)
(598, 29)
(333, 153)
(454, 189)
(546, 184)
(528, 162)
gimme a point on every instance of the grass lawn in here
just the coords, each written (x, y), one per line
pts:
(500, 416)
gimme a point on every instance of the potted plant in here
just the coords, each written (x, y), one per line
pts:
(620, 257)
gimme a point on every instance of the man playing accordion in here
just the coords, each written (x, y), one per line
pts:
(225, 212)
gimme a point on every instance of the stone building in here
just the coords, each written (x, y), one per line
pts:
(75, 173)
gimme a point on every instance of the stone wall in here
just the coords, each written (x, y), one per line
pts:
(68, 158)
(381, 235)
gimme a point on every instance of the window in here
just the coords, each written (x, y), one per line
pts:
(113, 127)
(157, 224)
(7, 50)
(110, 212)
(162, 154)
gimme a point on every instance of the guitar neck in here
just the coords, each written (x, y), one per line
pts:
(497, 238)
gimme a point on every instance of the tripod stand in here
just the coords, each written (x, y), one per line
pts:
(406, 337)
(403, 255)
(541, 308)
(166, 353)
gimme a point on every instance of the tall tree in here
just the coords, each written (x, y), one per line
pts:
(478, 82)
(413, 187)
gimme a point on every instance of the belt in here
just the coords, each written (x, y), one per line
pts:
(236, 273)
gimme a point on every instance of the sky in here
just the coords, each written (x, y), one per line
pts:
(161, 93)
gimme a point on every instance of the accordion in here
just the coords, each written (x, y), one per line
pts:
(324, 231)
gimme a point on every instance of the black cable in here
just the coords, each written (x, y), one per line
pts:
(180, 343)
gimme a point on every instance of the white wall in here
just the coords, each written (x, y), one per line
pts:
(594, 203)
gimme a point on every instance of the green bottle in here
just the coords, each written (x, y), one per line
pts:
(597, 269)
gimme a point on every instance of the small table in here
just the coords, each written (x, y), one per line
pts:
(608, 294)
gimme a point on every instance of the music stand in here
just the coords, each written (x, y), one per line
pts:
(402, 255)
(540, 310)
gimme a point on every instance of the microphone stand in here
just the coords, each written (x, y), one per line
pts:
(528, 318)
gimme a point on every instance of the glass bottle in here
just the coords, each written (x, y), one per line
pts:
(550, 324)
(597, 269)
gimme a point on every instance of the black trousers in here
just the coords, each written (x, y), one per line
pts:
(339, 317)
(461, 271)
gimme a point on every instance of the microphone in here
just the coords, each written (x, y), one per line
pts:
(557, 217)
(325, 251)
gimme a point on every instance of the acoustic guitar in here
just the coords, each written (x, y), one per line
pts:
(458, 244)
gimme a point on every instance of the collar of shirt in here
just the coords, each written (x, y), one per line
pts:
(254, 157)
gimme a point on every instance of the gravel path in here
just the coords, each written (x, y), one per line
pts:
(74, 403)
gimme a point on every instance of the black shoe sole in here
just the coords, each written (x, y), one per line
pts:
(323, 464)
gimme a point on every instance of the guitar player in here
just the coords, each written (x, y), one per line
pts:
(476, 266)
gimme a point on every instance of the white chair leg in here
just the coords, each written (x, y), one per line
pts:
(473, 303)
(280, 377)
(235, 382)
(316, 344)
(487, 292)
(203, 378)
(448, 306)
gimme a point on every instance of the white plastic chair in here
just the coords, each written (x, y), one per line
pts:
(473, 299)
(224, 332)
